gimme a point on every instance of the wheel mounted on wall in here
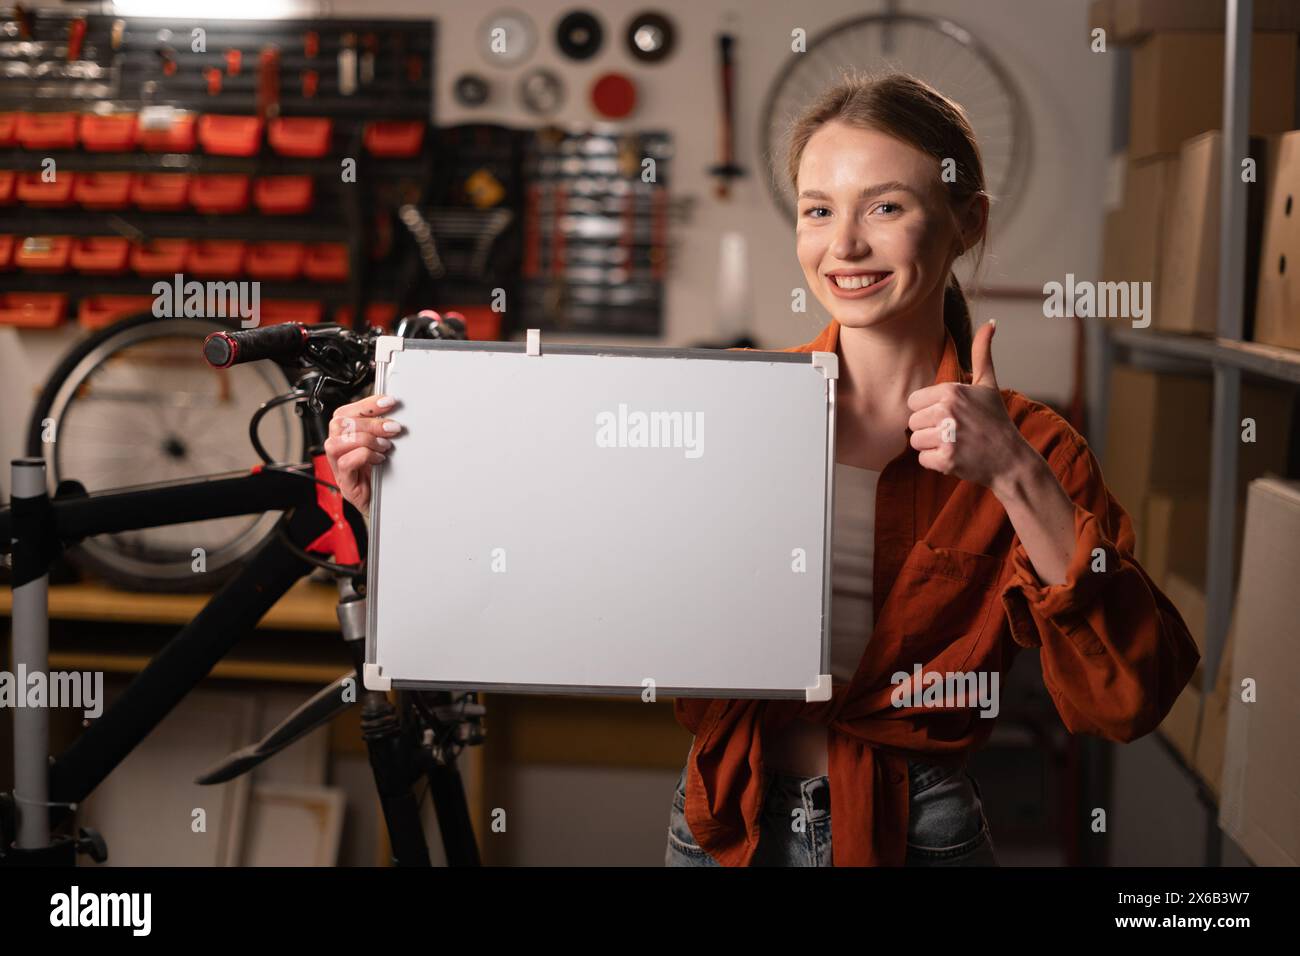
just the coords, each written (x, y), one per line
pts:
(939, 51)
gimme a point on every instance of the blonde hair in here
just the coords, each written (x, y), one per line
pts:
(911, 110)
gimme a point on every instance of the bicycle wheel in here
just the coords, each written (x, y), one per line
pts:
(935, 49)
(135, 403)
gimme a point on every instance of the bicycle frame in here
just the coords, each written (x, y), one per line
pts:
(232, 612)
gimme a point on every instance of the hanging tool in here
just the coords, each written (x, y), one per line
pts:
(727, 169)
(234, 62)
(213, 76)
(268, 83)
(23, 17)
(370, 47)
(348, 65)
(167, 58)
(76, 37)
(311, 44)
(310, 83)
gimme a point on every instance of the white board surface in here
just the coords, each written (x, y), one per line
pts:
(527, 534)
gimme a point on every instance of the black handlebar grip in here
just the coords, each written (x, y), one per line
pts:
(276, 342)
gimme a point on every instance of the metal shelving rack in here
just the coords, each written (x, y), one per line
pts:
(1227, 356)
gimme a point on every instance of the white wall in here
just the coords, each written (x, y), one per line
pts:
(1041, 42)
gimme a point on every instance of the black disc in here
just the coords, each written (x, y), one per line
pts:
(579, 35)
(651, 37)
(470, 90)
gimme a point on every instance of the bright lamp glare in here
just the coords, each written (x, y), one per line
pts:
(217, 9)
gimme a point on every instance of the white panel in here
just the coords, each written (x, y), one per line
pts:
(620, 564)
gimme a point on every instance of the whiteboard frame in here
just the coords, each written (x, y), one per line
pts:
(827, 362)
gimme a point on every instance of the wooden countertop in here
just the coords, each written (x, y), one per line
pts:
(307, 606)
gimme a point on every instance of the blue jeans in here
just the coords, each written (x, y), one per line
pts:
(946, 825)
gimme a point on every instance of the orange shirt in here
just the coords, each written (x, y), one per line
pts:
(954, 591)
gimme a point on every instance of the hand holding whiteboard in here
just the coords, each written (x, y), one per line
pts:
(598, 519)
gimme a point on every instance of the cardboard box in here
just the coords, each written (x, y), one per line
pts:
(1127, 21)
(1277, 311)
(1134, 234)
(1175, 532)
(1189, 274)
(1158, 435)
(1177, 88)
(1190, 601)
(1260, 796)
(1101, 16)
(1181, 726)
(1214, 720)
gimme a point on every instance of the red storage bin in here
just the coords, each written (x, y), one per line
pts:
(33, 310)
(230, 135)
(102, 190)
(300, 135)
(275, 261)
(394, 139)
(381, 314)
(8, 182)
(326, 262)
(7, 244)
(34, 191)
(283, 195)
(161, 192)
(482, 323)
(108, 133)
(166, 132)
(218, 258)
(100, 255)
(160, 257)
(220, 193)
(275, 311)
(46, 130)
(43, 253)
(97, 311)
(9, 129)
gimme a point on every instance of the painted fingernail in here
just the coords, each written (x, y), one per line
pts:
(386, 402)
(392, 427)
(383, 443)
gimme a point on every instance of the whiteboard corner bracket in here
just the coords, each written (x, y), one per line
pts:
(828, 362)
(534, 342)
(822, 691)
(386, 346)
(374, 680)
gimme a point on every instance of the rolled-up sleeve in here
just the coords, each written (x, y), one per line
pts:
(1115, 653)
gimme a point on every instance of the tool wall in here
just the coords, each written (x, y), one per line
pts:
(132, 149)
(299, 155)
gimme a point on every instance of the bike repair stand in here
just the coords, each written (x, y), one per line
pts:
(24, 814)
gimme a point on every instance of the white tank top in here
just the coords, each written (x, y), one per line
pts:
(801, 748)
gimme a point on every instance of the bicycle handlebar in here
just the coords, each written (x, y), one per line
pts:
(340, 353)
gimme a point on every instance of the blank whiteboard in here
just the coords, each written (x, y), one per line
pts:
(593, 519)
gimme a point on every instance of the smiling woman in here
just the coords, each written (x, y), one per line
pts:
(969, 522)
(860, 234)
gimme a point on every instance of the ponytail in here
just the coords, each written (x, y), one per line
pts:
(956, 319)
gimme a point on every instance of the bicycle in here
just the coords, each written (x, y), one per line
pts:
(420, 734)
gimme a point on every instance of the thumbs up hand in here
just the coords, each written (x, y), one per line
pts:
(964, 430)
